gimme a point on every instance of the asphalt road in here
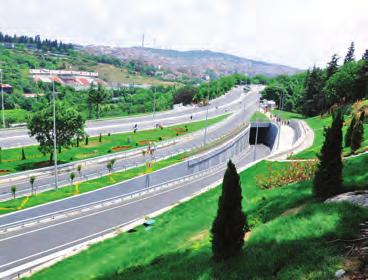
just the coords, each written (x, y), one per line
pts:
(19, 137)
(241, 112)
(32, 243)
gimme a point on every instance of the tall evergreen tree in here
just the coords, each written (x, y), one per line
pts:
(313, 99)
(358, 133)
(350, 54)
(349, 132)
(332, 66)
(361, 82)
(328, 177)
(230, 223)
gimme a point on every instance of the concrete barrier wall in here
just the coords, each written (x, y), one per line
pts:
(239, 144)
(297, 128)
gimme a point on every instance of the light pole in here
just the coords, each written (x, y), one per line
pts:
(206, 124)
(154, 107)
(2, 98)
(54, 128)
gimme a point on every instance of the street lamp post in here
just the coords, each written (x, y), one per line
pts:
(206, 124)
(54, 130)
(154, 107)
(2, 98)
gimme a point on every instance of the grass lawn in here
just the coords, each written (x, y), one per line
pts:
(11, 158)
(317, 124)
(290, 237)
(16, 116)
(112, 73)
(86, 186)
(259, 117)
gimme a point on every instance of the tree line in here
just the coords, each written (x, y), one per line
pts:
(37, 42)
(317, 90)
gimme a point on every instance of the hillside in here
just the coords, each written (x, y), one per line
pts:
(194, 63)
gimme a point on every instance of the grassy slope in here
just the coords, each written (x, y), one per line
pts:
(11, 158)
(86, 186)
(259, 117)
(16, 115)
(282, 245)
(317, 124)
(112, 73)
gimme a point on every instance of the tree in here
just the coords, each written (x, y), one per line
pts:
(313, 100)
(13, 190)
(32, 180)
(97, 96)
(230, 223)
(328, 177)
(69, 122)
(72, 176)
(350, 54)
(361, 81)
(79, 169)
(110, 165)
(349, 132)
(357, 134)
(185, 95)
(332, 66)
(23, 154)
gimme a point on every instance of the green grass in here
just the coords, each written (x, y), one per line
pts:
(16, 116)
(83, 187)
(259, 117)
(289, 239)
(287, 115)
(11, 158)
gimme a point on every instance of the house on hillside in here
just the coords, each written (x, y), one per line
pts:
(6, 88)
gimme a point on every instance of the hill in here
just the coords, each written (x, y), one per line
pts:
(195, 64)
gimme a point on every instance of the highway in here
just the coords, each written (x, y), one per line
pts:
(10, 138)
(241, 112)
(30, 244)
(21, 248)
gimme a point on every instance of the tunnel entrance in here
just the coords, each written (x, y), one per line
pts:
(267, 133)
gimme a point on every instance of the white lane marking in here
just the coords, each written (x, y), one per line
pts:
(86, 237)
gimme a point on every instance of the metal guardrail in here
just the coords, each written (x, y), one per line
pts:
(119, 198)
(106, 202)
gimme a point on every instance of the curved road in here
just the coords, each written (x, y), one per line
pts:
(241, 112)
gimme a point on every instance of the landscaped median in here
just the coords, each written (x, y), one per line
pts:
(83, 187)
(11, 159)
(292, 235)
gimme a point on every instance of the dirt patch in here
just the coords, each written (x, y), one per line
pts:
(179, 129)
(4, 171)
(181, 132)
(199, 236)
(145, 142)
(121, 148)
(42, 164)
(293, 211)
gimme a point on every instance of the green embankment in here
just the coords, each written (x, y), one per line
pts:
(317, 124)
(259, 117)
(292, 237)
(12, 162)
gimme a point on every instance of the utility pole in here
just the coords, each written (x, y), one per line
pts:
(208, 105)
(54, 128)
(154, 106)
(2, 98)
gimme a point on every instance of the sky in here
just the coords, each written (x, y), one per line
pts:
(299, 33)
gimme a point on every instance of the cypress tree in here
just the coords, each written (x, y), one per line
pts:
(349, 132)
(358, 133)
(332, 66)
(361, 82)
(230, 223)
(328, 177)
(350, 54)
(23, 154)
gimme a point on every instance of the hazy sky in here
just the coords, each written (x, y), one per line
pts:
(293, 32)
